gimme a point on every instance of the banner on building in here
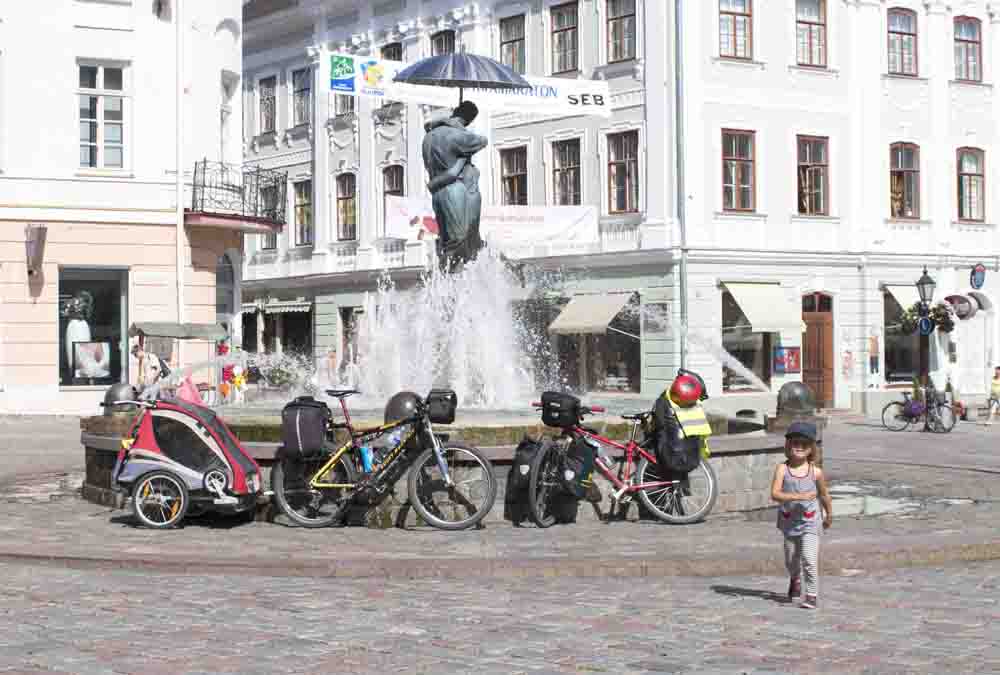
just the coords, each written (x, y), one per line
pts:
(510, 228)
(353, 75)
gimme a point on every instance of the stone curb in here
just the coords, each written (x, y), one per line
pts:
(835, 561)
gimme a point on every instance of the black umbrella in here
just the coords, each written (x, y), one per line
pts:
(462, 71)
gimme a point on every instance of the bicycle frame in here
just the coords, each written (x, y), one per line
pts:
(623, 480)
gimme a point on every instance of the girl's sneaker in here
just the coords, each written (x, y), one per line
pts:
(810, 602)
(794, 589)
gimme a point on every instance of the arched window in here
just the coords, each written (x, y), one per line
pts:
(968, 49)
(902, 42)
(904, 180)
(971, 184)
(225, 290)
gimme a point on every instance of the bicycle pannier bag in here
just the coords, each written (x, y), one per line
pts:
(441, 405)
(578, 468)
(303, 426)
(517, 509)
(560, 410)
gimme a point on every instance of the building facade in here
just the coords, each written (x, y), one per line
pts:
(90, 163)
(831, 151)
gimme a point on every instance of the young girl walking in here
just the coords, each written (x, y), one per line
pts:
(797, 484)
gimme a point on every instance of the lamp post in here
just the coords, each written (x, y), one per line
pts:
(925, 289)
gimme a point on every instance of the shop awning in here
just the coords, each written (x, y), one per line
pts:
(906, 295)
(283, 306)
(589, 314)
(180, 331)
(766, 307)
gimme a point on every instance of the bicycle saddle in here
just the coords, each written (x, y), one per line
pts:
(637, 416)
(341, 393)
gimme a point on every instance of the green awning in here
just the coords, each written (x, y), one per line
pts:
(179, 331)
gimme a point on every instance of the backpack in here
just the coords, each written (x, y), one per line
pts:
(675, 452)
(516, 508)
(303, 426)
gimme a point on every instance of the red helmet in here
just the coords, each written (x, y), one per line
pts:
(686, 390)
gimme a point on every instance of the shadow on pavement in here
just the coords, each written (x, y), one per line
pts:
(214, 521)
(736, 591)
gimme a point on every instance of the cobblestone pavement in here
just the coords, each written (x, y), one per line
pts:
(940, 620)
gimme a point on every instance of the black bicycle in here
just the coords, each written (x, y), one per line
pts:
(452, 486)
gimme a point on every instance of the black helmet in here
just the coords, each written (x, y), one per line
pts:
(119, 392)
(401, 406)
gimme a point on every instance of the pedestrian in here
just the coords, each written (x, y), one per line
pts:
(796, 485)
(994, 402)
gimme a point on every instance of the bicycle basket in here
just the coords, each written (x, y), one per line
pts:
(441, 405)
(560, 410)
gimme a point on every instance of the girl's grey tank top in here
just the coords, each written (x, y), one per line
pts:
(798, 517)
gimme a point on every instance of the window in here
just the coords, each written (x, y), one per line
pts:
(303, 213)
(269, 208)
(347, 208)
(968, 49)
(301, 96)
(813, 176)
(102, 117)
(902, 345)
(392, 184)
(970, 184)
(268, 87)
(750, 348)
(566, 172)
(512, 43)
(393, 51)
(343, 105)
(621, 30)
(514, 175)
(902, 42)
(810, 29)
(225, 290)
(443, 43)
(736, 29)
(564, 38)
(623, 172)
(904, 181)
(93, 306)
(739, 190)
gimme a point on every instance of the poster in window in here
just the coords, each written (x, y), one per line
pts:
(787, 360)
(91, 359)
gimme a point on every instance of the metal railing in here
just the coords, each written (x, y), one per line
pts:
(248, 192)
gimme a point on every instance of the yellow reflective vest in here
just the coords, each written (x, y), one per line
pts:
(693, 422)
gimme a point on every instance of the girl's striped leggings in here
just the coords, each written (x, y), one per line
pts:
(802, 560)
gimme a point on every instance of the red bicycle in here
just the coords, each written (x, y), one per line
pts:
(672, 498)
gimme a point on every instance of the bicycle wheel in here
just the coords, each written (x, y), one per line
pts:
(467, 501)
(543, 484)
(160, 500)
(943, 419)
(894, 417)
(305, 505)
(689, 500)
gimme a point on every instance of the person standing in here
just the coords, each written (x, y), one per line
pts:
(994, 402)
(799, 487)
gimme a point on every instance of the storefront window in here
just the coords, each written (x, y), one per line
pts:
(93, 307)
(752, 350)
(902, 344)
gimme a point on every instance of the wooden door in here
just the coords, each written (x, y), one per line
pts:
(817, 347)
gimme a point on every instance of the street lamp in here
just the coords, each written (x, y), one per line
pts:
(925, 287)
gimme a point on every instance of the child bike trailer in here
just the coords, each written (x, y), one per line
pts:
(180, 459)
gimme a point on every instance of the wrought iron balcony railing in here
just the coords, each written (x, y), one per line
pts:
(250, 193)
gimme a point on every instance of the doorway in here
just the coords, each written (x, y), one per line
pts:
(817, 347)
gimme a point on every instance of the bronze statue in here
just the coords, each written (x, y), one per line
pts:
(454, 184)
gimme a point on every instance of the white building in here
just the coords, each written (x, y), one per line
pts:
(88, 127)
(882, 101)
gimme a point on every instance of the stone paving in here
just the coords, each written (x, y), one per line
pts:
(938, 620)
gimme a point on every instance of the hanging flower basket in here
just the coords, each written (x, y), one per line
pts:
(943, 316)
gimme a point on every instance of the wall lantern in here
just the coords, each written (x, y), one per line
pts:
(34, 247)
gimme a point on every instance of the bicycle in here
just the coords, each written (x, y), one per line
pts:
(679, 500)
(939, 417)
(317, 491)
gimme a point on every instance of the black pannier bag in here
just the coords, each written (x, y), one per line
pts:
(516, 507)
(441, 406)
(677, 453)
(580, 462)
(560, 410)
(303, 426)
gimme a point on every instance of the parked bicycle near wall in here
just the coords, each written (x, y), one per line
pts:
(451, 485)
(936, 413)
(672, 498)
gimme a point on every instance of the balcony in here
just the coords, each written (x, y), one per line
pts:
(247, 199)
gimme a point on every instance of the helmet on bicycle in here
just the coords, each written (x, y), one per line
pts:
(686, 390)
(401, 406)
